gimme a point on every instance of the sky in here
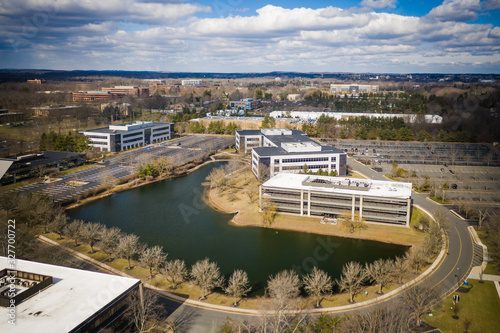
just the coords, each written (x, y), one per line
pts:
(376, 36)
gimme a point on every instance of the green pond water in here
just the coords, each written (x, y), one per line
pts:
(172, 213)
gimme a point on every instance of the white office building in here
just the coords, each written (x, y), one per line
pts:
(283, 150)
(375, 201)
(116, 138)
(353, 88)
(192, 82)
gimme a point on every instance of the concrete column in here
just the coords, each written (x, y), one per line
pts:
(360, 208)
(353, 209)
(408, 212)
(308, 202)
(301, 202)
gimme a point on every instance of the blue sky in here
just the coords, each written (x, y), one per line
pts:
(452, 36)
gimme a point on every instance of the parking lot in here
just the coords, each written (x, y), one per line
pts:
(468, 154)
(178, 152)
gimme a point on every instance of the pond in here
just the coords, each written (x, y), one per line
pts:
(172, 213)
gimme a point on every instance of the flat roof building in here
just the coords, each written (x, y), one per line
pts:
(57, 299)
(245, 104)
(26, 166)
(120, 137)
(353, 88)
(192, 82)
(128, 90)
(276, 150)
(310, 195)
(91, 96)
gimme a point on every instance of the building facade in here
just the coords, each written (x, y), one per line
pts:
(128, 90)
(90, 96)
(121, 137)
(310, 195)
(353, 88)
(192, 82)
(283, 150)
(245, 104)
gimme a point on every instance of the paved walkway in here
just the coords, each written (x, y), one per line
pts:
(486, 277)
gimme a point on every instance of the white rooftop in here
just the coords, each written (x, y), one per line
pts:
(276, 131)
(74, 296)
(367, 187)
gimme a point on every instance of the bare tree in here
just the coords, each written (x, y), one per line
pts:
(379, 272)
(128, 247)
(482, 212)
(146, 314)
(399, 268)
(419, 299)
(268, 212)
(74, 230)
(353, 275)
(206, 275)
(109, 239)
(238, 285)
(284, 286)
(153, 258)
(91, 234)
(59, 222)
(317, 283)
(416, 259)
(176, 272)
(380, 319)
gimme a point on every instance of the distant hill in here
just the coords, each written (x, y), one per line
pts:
(20, 75)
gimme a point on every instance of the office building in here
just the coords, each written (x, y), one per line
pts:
(245, 104)
(353, 88)
(90, 96)
(30, 165)
(136, 91)
(192, 82)
(116, 138)
(310, 195)
(276, 150)
(59, 299)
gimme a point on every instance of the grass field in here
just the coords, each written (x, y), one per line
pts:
(480, 305)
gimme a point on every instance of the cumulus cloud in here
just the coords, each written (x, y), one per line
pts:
(167, 35)
(378, 4)
(456, 10)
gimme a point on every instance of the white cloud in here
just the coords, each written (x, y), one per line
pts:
(456, 10)
(378, 4)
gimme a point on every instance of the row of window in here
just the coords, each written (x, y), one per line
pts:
(133, 134)
(104, 143)
(98, 137)
(132, 140)
(303, 160)
(162, 129)
(161, 133)
(253, 139)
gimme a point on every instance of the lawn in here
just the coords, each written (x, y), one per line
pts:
(480, 304)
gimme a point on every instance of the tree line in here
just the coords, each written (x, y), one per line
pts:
(215, 127)
(71, 142)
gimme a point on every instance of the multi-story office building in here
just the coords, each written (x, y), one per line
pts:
(126, 136)
(128, 90)
(245, 104)
(353, 88)
(276, 150)
(90, 96)
(310, 195)
(192, 82)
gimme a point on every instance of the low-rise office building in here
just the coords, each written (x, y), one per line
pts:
(245, 104)
(128, 90)
(116, 138)
(353, 88)
(276, 150)
(192, 82)
(31, 165)
(310, 195)
(51, 298)
(90, 96)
